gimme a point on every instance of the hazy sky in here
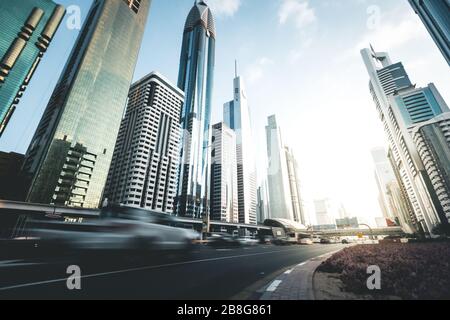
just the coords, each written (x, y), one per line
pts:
(301, 61)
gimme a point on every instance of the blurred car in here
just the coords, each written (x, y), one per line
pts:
(219, 240)
(119, 228)
(325, 241)
(316, 240)
(281, 241)
(247, 241)
(266, 239)
(344, 241)
(306, 241)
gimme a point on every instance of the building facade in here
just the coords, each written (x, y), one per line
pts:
(196, 80)
(277, 174)
(432, 139)
(71, 151)
(27, 27)
(294, 186)
(145, 161)
(324, 212)
(224, 181)
(11, 181)
(263, 203)
(435, 15)
(236, 115)
(399, 102)
(384, 175)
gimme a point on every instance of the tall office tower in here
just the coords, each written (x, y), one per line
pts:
(70, 154)
(196, 80)
(435, 14)
(400, 201)
(324, 214)
(392, 201)
(236, 115)
(400, 105)
(432, 139)
(145, 161)
(383, 176)
(294, 184)
(11, 183)
(277, 173)
(224, 188)
(27, 28)
(262, 208)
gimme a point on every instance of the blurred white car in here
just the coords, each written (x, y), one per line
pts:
(248, 241)
(119, 228)
(306, 241)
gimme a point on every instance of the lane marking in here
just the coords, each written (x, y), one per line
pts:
(274, 285)
(302, 264)
(32, 284)
(288, 271)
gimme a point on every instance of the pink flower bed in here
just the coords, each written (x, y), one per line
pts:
(409, 271)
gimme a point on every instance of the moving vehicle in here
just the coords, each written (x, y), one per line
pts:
(222, 240)
(119, 228)
(248, 241)
(306, 241)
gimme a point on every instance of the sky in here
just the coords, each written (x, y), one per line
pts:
(300, 60)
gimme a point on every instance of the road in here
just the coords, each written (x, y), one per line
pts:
(205, 273)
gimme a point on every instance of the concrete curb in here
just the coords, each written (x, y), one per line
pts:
(295, 283)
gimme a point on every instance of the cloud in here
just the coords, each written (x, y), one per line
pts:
(225, 8)
(255, 71)
(297, 11)
(392, 34)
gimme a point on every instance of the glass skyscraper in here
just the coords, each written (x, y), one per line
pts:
(196, 80)
(401, 106)
(70, 153)
(236, 115)
(27, 27)
(435, 14)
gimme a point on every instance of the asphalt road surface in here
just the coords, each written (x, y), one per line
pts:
(206, 274)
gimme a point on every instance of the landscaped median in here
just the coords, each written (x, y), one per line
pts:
(407, 271)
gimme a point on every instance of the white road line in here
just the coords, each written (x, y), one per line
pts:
(274, 285)
(141, 269)
(9, 261)
(288, 271)
(301, 264)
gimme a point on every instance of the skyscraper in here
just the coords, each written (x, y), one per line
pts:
(280, 204)
(71, 151)
(196, 80)
(236, 115)
(294, 187)
(262, 208)
(27, 28)
(432, 139)
(144, 166)
(400, 105)
(324, 214)
(435, 14)
(383, 175)
(224, 186)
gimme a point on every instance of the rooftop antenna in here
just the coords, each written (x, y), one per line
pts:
(235, 68)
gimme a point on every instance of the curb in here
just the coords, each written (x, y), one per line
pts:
(295, 283)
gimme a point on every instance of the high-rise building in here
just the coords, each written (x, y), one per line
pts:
(277, 174)
(196, 80)
(145, 161)
(11, 181)
(435, 15)
(294, 186)
(262, 208)
(432, 139)
(384, 175)
(70, 154)
(324, 214)
(27, 28)
(400, 105)
(236, 115)
(224, 185)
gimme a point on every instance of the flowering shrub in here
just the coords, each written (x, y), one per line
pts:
(409, 271)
